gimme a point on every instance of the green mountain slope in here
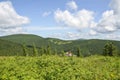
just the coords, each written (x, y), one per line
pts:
(88, 47)
(93, 46)
(8, 48)
(27, 39)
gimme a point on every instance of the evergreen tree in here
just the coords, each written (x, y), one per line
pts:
(63, 53)
(109, 49)
(45, 51)
(35, 51)
(25, 52)
(42, 50)
(48, 50)
(79, 54)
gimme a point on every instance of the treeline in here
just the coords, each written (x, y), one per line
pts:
(38, 51)
(109, 50)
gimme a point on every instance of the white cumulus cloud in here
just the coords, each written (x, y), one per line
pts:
(79, 19)
(93, 32)
(113, 37)
(107, 23)
(72, 5)
(110, 21)
(115, 5)
(85, 19)
(10, 21)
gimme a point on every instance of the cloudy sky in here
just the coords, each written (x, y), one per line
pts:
(64, 19)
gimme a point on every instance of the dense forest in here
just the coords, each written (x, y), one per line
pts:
(27, 44)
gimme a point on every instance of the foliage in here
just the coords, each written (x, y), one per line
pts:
(25, 52)
(79, 53)
(109, 49)
(48, 50)
(8, 48)
(12, 45)
(60, 68)
(35, 51)
(62, 53)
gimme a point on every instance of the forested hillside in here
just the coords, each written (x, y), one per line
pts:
(13, 44)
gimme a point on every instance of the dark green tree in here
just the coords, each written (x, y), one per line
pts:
(48, 50)
(35, 51)
(25, 52)
(109, 49)
(63, 53)
(42, 50)
(45, 50)
(79, 53)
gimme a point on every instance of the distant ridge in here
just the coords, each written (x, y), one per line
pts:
(91, 46)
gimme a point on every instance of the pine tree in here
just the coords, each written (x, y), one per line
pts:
(48, 50)
(109, 49)
(63, 53)
(79, 54)
(25, 52)
(42, 50)
(35, 51)
(45, 51)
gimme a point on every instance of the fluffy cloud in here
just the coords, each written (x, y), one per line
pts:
(110, 21)
(85, 19)
(79, 19)
(10, 21)
(92, 33)
(72, 5)
(107, 23)
(113, 37)
(115, 5)
(16, 30)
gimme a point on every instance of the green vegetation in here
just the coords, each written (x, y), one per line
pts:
(60, 68)
(13, 44)
(35, 51)
(25, 52)
(8, 48)
(30, 57)
(110, 49)
(79, 53)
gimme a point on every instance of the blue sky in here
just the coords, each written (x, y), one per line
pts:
(64, 19)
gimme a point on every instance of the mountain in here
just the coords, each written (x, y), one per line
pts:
(15, 42)
(27, 39)
(9, 48)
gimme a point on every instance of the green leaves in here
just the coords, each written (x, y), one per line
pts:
(35, 51)
(109, 49)
(48, 67)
